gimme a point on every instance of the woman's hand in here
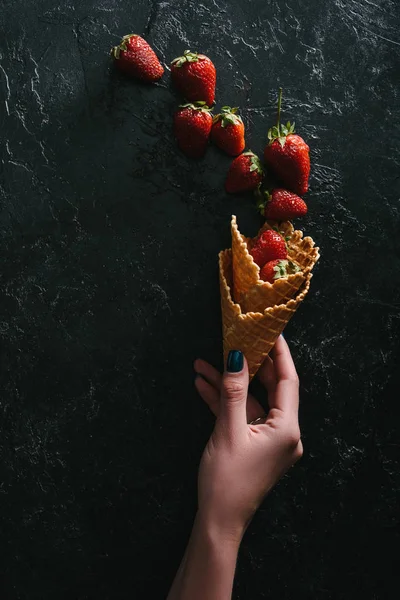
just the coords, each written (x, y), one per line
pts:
(241, 461)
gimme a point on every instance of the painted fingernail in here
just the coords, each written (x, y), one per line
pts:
(234, 364)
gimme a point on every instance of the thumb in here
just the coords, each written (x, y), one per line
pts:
(234, 388)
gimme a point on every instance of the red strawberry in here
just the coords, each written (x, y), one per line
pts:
(194, 76)
(135, 57)
(228, 131)
(269, 246)
(277, 269)
(192, 126)
(245, 174)
(281, 205)
(288, 155)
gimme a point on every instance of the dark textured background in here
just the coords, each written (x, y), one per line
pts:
(109, 290)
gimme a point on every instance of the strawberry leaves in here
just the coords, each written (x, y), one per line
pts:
(284, 268)
(279, 132)
(199, 105)
(262, 197)
(228, 116)
(255, 163)
(280, 269)
(122, 47)
(188, 56)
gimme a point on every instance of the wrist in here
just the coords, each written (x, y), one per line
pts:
(218, 533)
(209, 565)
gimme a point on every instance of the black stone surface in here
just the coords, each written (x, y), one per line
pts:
(109, 290)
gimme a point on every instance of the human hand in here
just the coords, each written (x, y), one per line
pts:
(242, 461)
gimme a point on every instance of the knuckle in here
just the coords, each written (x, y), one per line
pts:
(293, 436)
(294, 379)
(298, 452)
(233, 389)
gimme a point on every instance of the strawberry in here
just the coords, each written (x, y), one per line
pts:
(281, 205)
(245, 174)
(194, 76)
(277, 269)
(288, 155)
(135, 57)
(228, 131)
(192, 127)
(269, 246)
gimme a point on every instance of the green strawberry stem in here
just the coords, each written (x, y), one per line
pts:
(278, 120)
(278, 131)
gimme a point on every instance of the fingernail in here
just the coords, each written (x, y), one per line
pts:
(234, 364)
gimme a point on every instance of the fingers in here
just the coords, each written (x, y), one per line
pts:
(254, 409)
(234, 388)
(286, 397)
(208, 384)
(212, 396)
(284, 365)
(266, 375)
(208, 372)
(208, 393)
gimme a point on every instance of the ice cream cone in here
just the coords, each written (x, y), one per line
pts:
(254, 313)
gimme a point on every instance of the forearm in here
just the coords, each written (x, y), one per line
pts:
(175, 591)
(208, 567)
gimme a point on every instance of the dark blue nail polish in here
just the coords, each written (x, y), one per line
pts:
(234, 364)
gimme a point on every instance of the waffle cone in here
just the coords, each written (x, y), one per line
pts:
(249, 290)
(254, 313)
